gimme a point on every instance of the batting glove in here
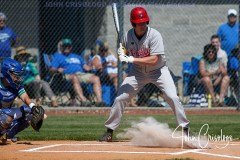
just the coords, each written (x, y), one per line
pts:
(121, 50)
(127, 59)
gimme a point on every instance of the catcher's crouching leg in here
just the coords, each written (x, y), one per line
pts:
(20, 123)
(17, 126)
(5, 122)
(32, 116)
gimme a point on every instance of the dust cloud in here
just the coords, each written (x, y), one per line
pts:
(149, 132)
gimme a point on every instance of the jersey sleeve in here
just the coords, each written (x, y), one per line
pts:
(21, 90)
(156, 44)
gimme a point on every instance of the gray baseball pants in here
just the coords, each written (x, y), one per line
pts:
(134, 82)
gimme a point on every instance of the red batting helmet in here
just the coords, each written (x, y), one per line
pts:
(139, 15)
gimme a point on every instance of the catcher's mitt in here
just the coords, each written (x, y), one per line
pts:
(37, 117)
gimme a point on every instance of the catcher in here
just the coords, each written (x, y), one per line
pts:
(14, 120)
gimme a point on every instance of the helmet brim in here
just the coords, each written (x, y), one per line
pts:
(140, 21)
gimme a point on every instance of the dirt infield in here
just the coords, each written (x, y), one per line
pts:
(63, 150)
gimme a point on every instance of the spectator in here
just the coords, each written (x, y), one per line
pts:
(74, 67)
(75, 89)
(32, 81)
(228, 32)
(95, 61)
(104, 63)
(58, 83)
(221, 54)
(7, 37)
(109, 63)
(234, 67)
(214, 74)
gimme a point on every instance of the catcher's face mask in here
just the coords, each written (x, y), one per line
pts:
(17, 78)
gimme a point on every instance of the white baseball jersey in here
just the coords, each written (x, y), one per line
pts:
(150, 44)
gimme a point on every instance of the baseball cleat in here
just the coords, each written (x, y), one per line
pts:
(3, 138)
(14, 139)
(106, 137)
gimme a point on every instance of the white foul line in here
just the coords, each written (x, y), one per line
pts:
(185, 151)
(57, 145)
(35, 149)
(116, 152)
(217, 155)
(197, 151)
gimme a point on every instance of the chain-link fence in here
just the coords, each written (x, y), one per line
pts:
(47, 27)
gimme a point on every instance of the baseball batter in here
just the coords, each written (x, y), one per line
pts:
(145, 50)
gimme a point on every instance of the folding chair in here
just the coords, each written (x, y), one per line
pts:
(197, 86)
(60, 86)
(187, 73)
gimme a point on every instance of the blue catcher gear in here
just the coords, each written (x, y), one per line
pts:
(14, 120)
(13, 72)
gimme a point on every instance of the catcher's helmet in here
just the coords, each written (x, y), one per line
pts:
(139, 15)
(13, 72)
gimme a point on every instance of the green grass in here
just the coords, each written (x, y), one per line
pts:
(92, 127)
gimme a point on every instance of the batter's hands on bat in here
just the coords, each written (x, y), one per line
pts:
(121, 50)
(125, 58)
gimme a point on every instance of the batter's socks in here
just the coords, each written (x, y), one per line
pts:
(109, 130)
